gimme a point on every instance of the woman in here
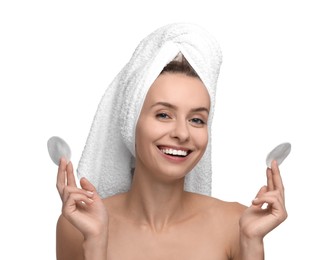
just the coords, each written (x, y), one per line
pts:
(145, 187)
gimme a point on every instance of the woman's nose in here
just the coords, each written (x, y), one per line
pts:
(180, 131)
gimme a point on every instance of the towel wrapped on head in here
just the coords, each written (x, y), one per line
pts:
(109, 154)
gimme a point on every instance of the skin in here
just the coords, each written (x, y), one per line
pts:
(157, 219)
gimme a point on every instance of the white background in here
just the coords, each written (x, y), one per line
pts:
(58, 57)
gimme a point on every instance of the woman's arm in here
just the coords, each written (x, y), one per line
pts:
(266, 213)
(69, 241)
(82, 229)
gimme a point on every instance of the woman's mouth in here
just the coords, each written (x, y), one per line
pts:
(176, 152)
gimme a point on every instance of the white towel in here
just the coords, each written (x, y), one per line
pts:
(108, 156)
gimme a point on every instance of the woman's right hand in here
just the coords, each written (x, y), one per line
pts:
(82, 207)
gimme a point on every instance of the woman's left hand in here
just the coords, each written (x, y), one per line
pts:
(268, 208)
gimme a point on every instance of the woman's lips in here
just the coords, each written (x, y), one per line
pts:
(178, 154)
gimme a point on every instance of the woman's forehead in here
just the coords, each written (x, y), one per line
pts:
(178, 88)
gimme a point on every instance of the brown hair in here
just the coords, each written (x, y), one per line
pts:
(180, 65)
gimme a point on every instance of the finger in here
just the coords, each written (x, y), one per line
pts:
(70, 191)
(73, 200)
(61, 176)
(260, 193)
(263, 202)
(87, 185)
(270, 179)
(262, 190)
(273, 199)
(70, 175)
(78, 197)
(276, 176)
(272, 194)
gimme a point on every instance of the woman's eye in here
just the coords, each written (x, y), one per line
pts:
(197, 121)
(162, 116)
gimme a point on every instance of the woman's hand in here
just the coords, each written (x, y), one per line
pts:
(268, 208)
(82, 207)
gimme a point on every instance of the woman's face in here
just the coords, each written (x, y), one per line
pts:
(172, 132)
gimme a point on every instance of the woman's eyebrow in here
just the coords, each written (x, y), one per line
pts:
(168, 105)
(165, 104)
(200, 109)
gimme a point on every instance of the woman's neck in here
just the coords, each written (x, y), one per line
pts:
(154, 203)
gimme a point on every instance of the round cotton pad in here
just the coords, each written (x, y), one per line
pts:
(279, 153)
(58, 148)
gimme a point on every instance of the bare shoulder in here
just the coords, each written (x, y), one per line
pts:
(220, 220)
(68, 240)
(223, 216)
(215, 206)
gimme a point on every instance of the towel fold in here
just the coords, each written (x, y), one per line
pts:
(109, 153)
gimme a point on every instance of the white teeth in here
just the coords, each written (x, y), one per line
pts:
(174, 152)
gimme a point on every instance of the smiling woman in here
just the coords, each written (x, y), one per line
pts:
(171, 133)
(154, 121)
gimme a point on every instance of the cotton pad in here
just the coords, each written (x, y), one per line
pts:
(279, 153)
(58, 148)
